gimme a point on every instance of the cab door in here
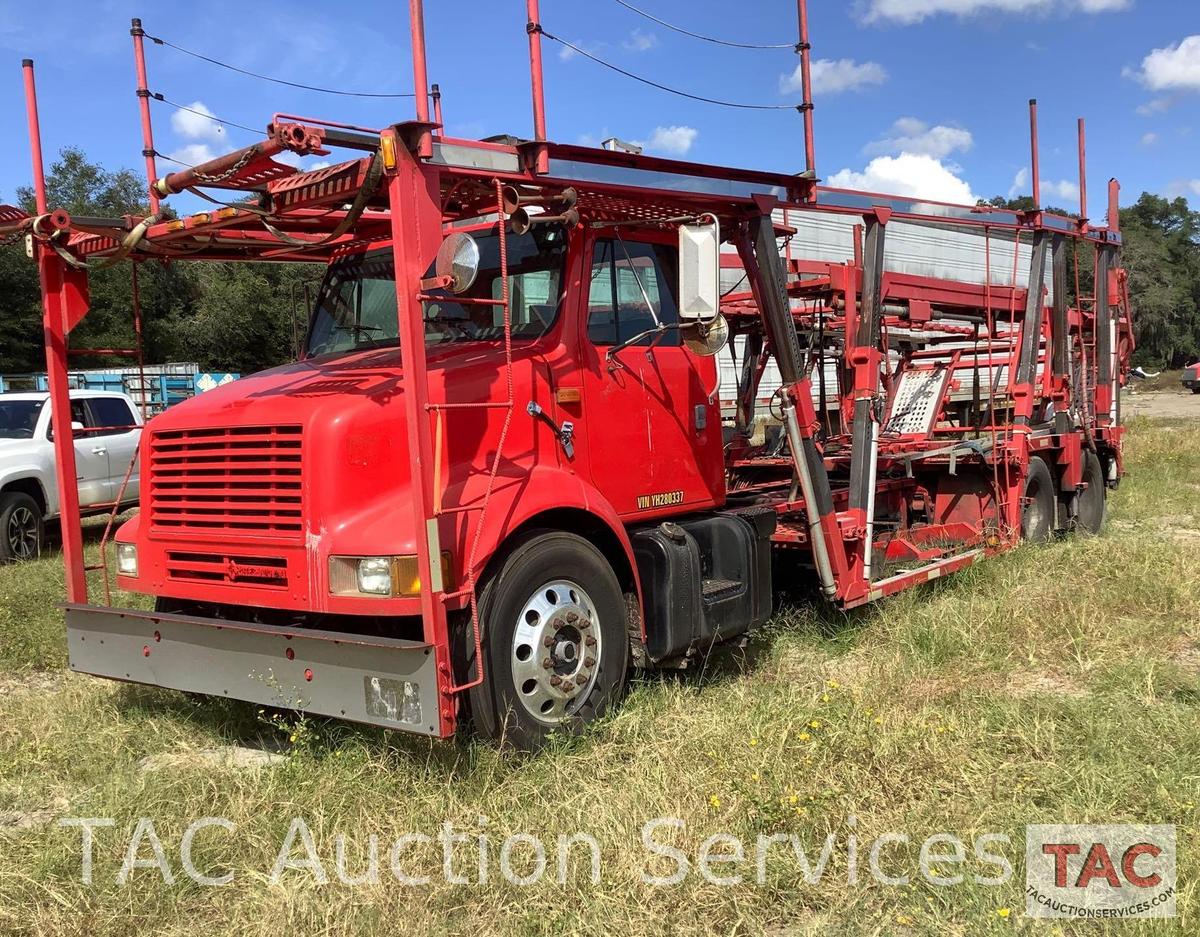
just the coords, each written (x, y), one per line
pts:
(651, 412)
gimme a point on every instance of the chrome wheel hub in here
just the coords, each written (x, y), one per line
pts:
(22, 534)
(556, 651)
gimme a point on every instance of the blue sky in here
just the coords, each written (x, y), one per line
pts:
(925, 96)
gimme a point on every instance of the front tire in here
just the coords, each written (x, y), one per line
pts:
(22, 530)
(554, 641)
(1037, 515)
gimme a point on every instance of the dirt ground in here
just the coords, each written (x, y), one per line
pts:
(1175, 405)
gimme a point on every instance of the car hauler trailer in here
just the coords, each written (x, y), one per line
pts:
(498, 477)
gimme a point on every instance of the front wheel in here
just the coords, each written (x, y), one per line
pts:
(555, 646)
(22, 532)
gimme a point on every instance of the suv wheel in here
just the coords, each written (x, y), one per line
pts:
(22, 532)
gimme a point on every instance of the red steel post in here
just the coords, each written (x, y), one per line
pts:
(1082, 171)
(415, 214)
(436, 93)
(1033, 148)
(52, 273)
(143, 93)
(806, 105)
(1114, 206)
(533, 27)
(416, 13)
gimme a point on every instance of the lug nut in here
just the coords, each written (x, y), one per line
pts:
(590, 641)
(547, 663)
(555, 680)
(548, 641)
(584, 623)
(589, 662)
(581, 679)
(572, 617)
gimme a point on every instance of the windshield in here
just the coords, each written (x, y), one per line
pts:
(356, 305)
(18, 418)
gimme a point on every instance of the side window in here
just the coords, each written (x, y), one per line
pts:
(632, 284)
(111, 416)
(79, 414)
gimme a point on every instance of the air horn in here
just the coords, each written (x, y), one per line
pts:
(514, 202)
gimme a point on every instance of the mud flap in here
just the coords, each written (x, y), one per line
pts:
(380, 681)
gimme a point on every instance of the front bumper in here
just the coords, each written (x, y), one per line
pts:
(385, 682)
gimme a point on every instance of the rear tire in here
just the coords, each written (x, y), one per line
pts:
(1092, 501)
(22, 529)
(1037, 514)
(554, 642)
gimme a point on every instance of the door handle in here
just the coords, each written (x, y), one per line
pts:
(99, 450)
(565, 433)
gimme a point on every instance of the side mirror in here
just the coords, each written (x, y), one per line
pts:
(700, 271)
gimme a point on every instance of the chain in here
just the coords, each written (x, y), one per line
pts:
(205, 179)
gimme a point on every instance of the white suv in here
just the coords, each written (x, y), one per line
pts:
(107, 427)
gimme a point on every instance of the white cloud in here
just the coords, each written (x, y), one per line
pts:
(674, 140)
(910, 135)
(1155, 106)
(1020, 180)
(916, 175)
(195, 126)
(193, 154)
(639, 41)
(907, 12)
(1065, 190)
(1174, 67)
(829, 76)
(1149, 139)
(566, 53)
(1184, 187)
(1062, 190)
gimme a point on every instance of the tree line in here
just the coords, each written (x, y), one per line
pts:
(224, 316)
(245, 317)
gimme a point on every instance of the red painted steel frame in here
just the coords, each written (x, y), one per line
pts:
(416, 234)
(534, 29)
(978, 509)
(143, 94)
(806, 105)
(60, 288)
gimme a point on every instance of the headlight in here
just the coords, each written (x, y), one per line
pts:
(375, 575)
(127, 559)
(381, 575)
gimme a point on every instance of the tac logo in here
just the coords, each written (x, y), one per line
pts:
(1091, 871)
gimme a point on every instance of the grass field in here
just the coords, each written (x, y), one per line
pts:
(1054, 684)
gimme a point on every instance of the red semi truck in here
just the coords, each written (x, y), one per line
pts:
(498, 478)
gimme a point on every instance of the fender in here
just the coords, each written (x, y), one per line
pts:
(33, 473)
(546, 489)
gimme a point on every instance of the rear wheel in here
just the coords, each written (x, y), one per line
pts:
(22, 532)
(554, 641)
(1092, 500)
(1037, 515)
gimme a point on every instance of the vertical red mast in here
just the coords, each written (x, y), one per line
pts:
(806, 105)
(1083, 211)
(143, 93)
(533, 26)
(54, 275)
(416, 14)
(1033, 149)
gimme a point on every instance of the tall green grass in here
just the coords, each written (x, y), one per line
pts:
(1053, 684)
